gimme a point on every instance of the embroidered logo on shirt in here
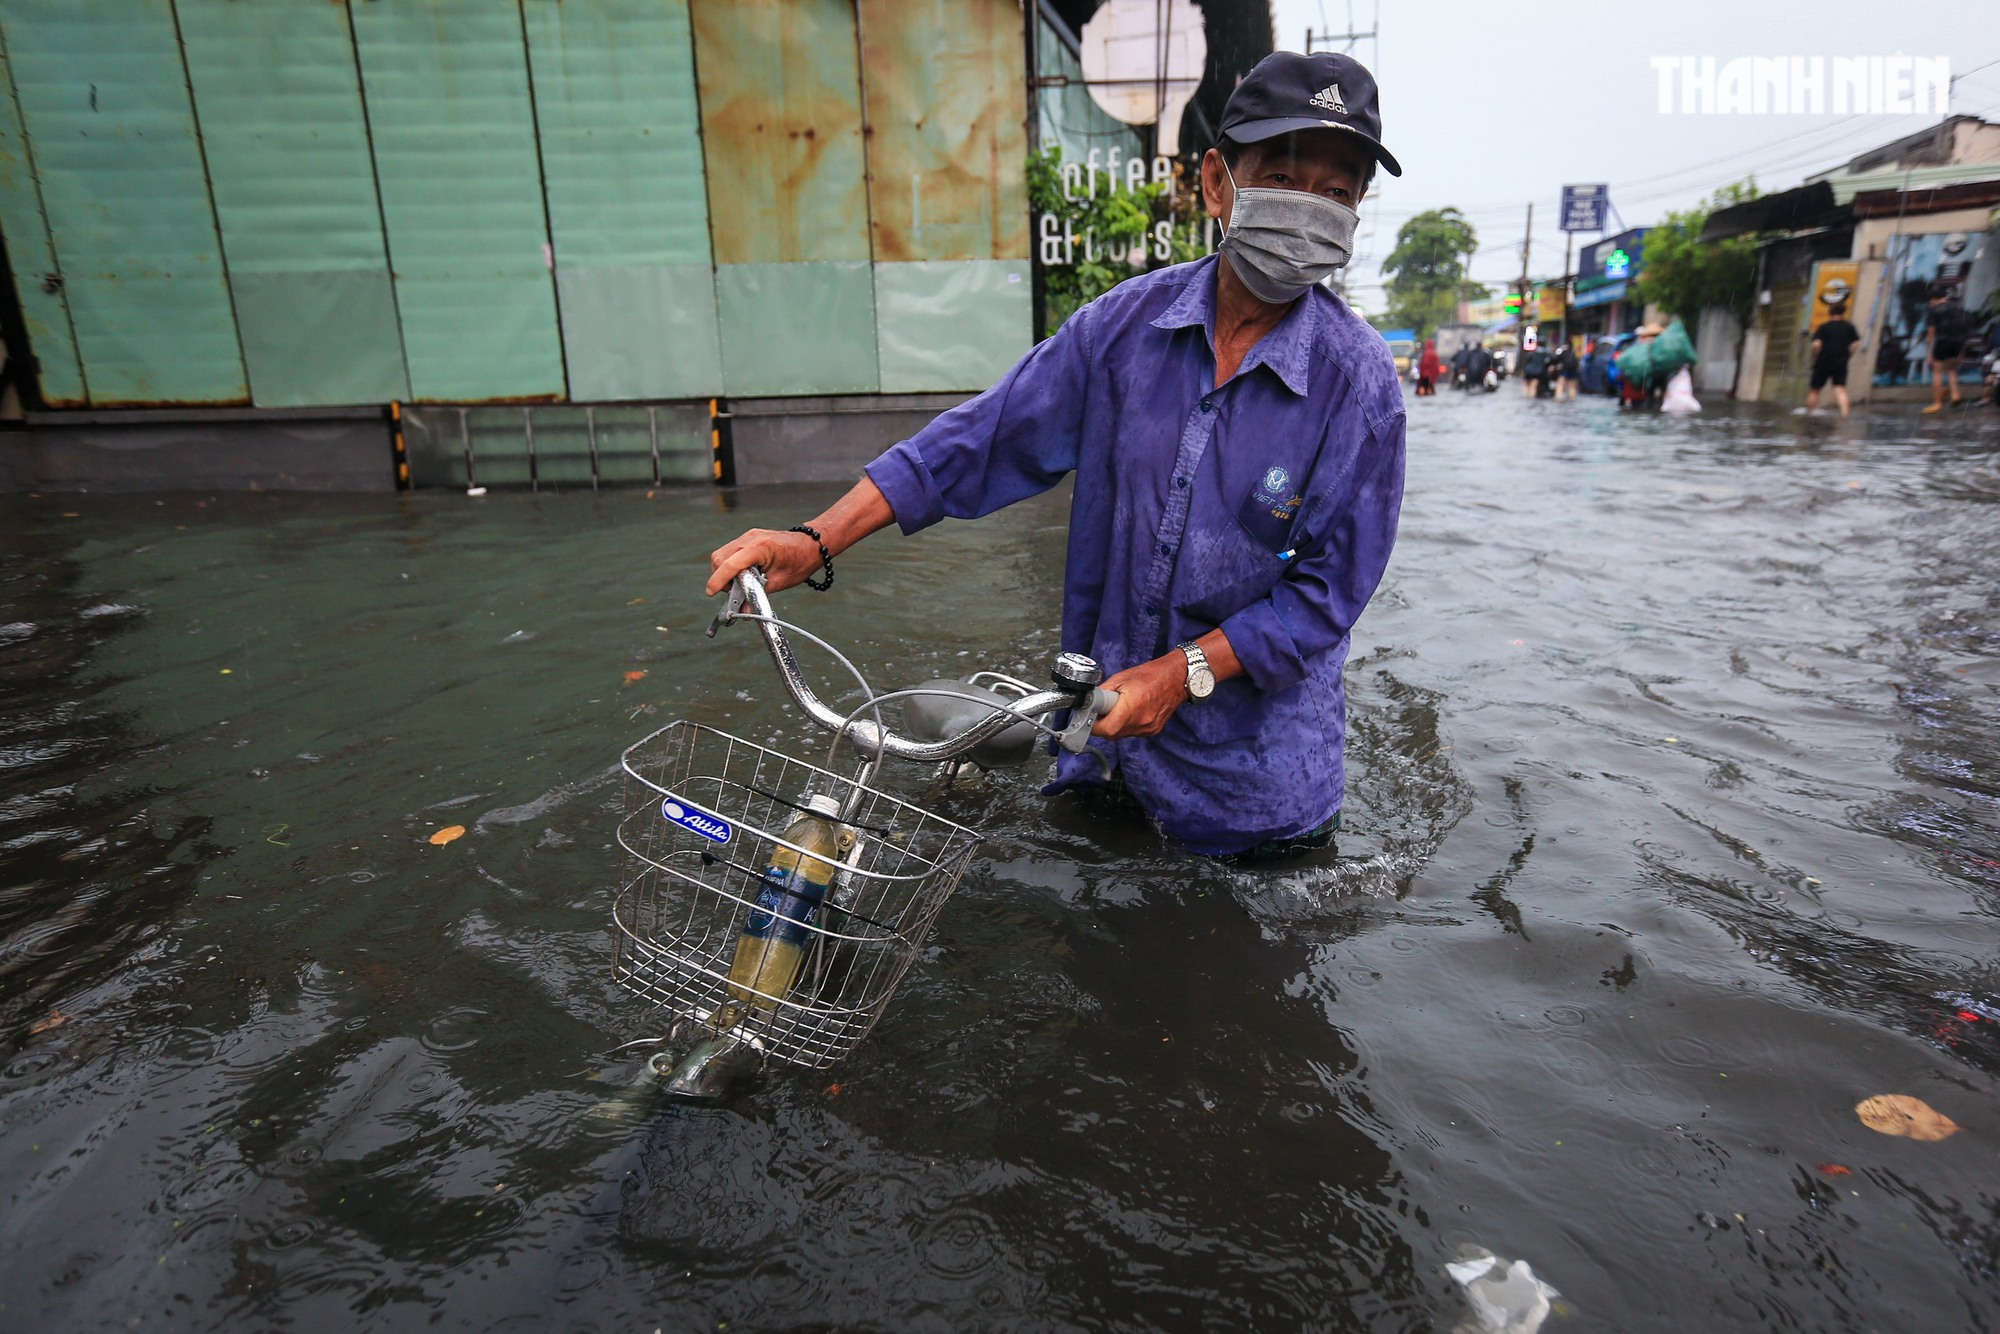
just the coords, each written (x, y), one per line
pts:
(1328, 98)
(1272, 495)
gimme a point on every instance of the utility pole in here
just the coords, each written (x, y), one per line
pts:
(1567, 238)
(1037, 280)
(1324, 41)
(1527, 239)
(1460, 312)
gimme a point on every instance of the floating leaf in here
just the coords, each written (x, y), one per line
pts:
(1833, 1170)
(1900, 1114)
(447, 834)
(630, 677)
(56, 1019)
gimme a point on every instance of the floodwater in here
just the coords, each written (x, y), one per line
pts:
(1673, 837)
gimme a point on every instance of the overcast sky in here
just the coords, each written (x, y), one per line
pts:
(1491, 105)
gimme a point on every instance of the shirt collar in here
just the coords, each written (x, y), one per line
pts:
(1287, 349)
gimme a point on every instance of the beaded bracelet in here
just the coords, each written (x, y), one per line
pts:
(825, 556)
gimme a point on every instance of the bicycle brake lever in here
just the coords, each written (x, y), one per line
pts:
(1084, 717)
(730, 606)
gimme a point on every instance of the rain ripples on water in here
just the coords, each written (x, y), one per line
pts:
(1671, 837)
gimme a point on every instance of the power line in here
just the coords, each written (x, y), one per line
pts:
(1839, 136)
(1806, 133)
(1741, 153)
(1793, 151)
(1816, 153)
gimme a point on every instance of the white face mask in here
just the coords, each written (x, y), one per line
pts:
(1280, 242)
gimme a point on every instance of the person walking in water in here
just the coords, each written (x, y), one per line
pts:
(1832, 344)
(1235, 432)
(1568, 370)
(1478, 367)
(1429, 369)
(1534, 371)
(1949, 325)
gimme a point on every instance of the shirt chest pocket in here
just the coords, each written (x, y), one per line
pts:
(1268, 510)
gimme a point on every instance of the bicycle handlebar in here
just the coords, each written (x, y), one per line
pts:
(1076, 676)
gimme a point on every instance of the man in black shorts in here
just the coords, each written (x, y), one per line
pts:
(1832, 343)
(1949, 326)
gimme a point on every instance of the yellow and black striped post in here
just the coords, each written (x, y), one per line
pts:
(400, 452)
(721, 449)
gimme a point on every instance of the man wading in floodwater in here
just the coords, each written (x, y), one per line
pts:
(1237, 438)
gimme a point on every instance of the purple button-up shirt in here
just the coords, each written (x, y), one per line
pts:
(1266, 507)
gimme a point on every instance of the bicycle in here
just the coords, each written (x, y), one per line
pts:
(709, 863)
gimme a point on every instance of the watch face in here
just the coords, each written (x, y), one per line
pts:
(1200, 682)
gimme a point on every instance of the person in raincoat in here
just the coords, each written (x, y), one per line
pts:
(1429, 369)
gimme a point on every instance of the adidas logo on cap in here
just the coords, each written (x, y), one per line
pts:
(1328, 99)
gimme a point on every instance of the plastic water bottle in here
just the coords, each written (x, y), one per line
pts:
(771, 947)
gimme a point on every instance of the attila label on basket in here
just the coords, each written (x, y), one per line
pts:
(711, 827)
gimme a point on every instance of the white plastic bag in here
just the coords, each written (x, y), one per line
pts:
(1505, 1296)
(1680, 394)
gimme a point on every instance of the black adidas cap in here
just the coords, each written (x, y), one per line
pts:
(1287, 91)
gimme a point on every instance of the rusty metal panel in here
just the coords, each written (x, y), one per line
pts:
(781, 124)
(781, 128)
(944, 82)
(445, 83)
(946, 104)
(622, 162)
(279, 103)
(104, 102)
(37, 285)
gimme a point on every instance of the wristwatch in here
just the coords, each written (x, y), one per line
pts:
(1201, 681)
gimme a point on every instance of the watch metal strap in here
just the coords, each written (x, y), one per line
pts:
(1196, 659)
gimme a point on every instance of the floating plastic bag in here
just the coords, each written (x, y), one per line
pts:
(1505, 1296)
(1680, 394)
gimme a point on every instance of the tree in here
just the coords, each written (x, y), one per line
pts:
(1104, 223)
(1427, 270)
(1685, 275)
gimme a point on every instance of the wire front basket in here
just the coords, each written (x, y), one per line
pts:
(704, 814)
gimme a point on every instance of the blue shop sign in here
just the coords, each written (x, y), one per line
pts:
(1599, 296)
(1615, 259)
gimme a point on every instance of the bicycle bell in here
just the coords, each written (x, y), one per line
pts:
(1076, 673)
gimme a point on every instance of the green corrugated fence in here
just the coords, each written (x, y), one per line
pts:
(298, 203)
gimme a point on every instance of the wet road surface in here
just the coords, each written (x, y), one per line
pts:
(1672, 835)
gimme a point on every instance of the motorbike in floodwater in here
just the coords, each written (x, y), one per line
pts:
(770, 906)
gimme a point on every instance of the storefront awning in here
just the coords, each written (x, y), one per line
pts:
(1790, 211)
(1940, 199)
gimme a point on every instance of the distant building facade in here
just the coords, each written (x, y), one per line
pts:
(1877, 232)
